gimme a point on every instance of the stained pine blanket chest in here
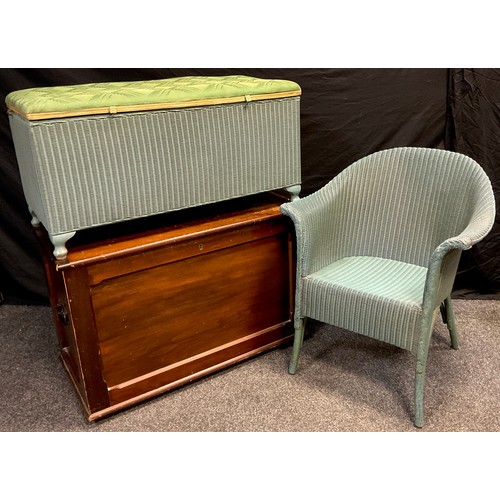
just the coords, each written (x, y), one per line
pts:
(96, 154)
(143, 312)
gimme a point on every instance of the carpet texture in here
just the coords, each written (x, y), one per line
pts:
(345, 382)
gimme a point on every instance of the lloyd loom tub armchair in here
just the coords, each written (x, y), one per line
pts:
(378, 247)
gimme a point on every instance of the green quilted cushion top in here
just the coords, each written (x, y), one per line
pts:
(91, 98)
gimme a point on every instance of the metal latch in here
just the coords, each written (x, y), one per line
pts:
(62, 313)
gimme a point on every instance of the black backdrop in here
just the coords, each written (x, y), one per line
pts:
(345, 115)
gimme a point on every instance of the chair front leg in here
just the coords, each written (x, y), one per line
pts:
(422, 354)
(419, 393)
(297, 345)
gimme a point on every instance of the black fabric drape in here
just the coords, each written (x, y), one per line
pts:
(473, 128)
(345, 115)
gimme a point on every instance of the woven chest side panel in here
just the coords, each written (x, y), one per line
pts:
(28, 169)
(98, 170)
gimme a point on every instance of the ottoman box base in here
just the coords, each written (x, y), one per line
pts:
(86, 167)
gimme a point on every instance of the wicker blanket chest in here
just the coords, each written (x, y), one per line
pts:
(97, 154)
(144, 312)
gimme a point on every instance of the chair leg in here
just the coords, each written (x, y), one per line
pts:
(450, 322)
(422, 353)
(419, 396)
(297, 345)
(442, 309)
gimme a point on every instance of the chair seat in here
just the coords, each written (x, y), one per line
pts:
(379, 277)
(387, 295)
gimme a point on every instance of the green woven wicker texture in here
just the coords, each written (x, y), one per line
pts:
(378, 247)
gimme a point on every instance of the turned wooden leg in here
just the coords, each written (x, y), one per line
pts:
(59, 241)
(294, 191)
(35, 221)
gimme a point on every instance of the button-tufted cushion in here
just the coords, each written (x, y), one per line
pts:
(113, 97)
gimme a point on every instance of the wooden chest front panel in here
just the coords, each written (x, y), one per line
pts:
(157, 323)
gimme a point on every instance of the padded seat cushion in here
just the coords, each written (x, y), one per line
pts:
(113, 97)
(380, 289)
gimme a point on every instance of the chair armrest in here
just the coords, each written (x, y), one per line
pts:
(441, 272)
(314, 218)
(444, 261)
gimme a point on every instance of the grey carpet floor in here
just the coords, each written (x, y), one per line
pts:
(345, 383)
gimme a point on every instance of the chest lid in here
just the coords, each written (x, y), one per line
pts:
(117, 97)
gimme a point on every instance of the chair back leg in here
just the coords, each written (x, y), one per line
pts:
(449, 319)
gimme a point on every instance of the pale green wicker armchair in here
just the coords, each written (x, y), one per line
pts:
(378, 247)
